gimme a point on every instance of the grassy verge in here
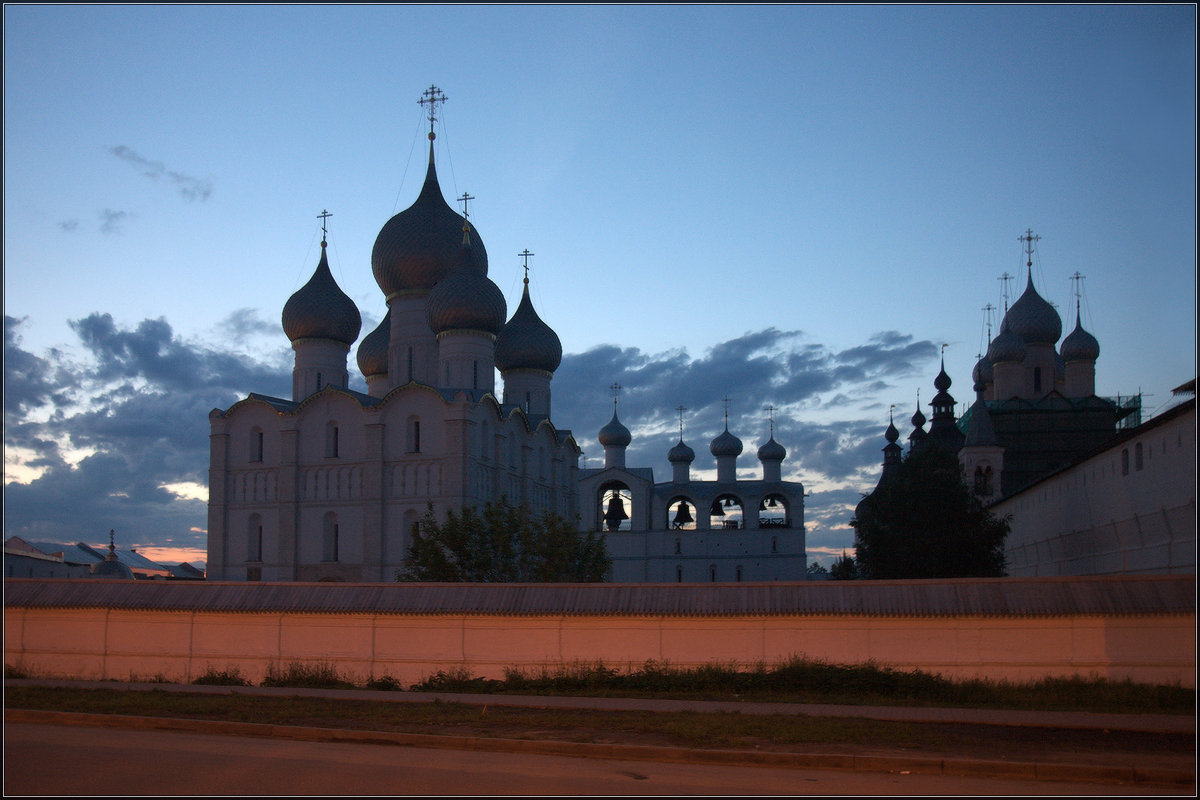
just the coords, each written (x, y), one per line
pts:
(722, 730)
(797, 680)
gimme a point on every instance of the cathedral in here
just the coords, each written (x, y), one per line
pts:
(330, 483)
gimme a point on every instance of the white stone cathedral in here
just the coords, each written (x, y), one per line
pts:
(329, 484)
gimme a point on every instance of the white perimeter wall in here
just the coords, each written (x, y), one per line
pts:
(178, 646)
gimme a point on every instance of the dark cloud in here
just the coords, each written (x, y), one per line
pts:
(189, 187)
(69, 224)
(247, 322)
(140, 408)
(112, 221)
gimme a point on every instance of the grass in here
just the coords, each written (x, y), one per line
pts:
(798, 680)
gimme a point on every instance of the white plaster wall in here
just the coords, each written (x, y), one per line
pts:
(99, 644)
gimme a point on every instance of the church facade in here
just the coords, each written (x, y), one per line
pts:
(329, 483)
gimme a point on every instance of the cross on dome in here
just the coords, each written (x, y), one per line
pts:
(431, 97)
(525, 254)
(324, 217)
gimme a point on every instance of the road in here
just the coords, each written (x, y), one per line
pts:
(109, 761)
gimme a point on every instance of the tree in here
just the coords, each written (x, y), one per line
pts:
(923, 521)
(844, 569)
(503, 543)
(817, 572)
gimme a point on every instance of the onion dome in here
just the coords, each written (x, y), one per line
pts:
(942, 381)
(466, 299)
(417, 248)
(1033, 318)
(891, 434)
(983, 372)
(918, 420)
(526, 342)
(373, 350)
(681, 454)
(772, 451)
(321, 310)
(726, 444)
(1079, 345)
(614, 434)
(1007, 346)
(111, 567)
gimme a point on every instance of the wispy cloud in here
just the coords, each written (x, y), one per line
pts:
(68, 225)
(191, 188)
(112, 221)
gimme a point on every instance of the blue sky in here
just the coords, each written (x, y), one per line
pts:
(793, 206)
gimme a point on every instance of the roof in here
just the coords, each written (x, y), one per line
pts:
(991, 597)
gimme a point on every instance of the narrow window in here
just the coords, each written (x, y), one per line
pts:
(774, 544)
(256, 445)
(474, 374)
(331, 440)
(329, 549)
(678, 546)
(1125, 462)
(712, 572)
(414, 434)
(1037, 379)
(739, 573)
(678, 573)
(1137, 457)
(318, 381)
(410, 364)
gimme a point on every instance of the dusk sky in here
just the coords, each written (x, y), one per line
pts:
(788, 206)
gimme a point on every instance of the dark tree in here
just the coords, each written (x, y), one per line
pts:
(503, 543)
(923, 521)
(844, 569)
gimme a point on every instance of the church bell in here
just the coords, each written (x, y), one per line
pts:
(615, 513)
(684, 514)
(716, 511)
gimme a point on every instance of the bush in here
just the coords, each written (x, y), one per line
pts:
(306, 676)
(230, 676)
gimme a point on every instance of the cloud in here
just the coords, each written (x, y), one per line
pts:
(112, 221)
(69, 224)
(189, 187)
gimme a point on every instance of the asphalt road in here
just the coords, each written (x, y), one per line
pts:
(129, 762)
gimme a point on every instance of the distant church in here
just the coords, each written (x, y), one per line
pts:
(329, 484)
(1037, 430)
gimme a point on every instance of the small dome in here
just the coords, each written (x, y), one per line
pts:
(891, 434)
(942, 381)
(772, 451)
(726, 445)
(1006, 347)
(526, 342)
(321, 310)
(466, 300)
(681, 453)
(373, 350)
(983, 372)
(614, 434)
(111, 568)
(1033, 318)
(1079, 345)
(918, 419)
(417, 248)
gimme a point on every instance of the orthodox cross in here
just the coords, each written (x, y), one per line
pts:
(616, 390)
(525, 254)
(1004, 279)
(1077, 279)
(324, 217)
(725, 402)
(431, 97)
(680, 409)
(771, 416)
(987, 318)
(465, 197)
(1029, 238)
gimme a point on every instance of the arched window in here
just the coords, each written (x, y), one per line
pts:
(413, 430)
(726, 512)
(331, 439)
(1137, 456)
(678, 545)
(318, 381)
(329, 538)
(983, 481)
(679, 573)
(712, 573)
(773, 512)
(1037, 379)
(474, 374)
(254, 533)
(256, 444)
(410, 365)
(681, 514)
(615, 512)
(1125, 461)
(739, 573)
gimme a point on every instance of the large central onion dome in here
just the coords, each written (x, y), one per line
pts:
(465, 299)
(526, 342)
(1033, 318)
(321, 310)
(417, 248)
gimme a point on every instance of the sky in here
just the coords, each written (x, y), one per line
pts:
(732, 208)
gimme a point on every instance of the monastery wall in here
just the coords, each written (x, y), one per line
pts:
(105, 643)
